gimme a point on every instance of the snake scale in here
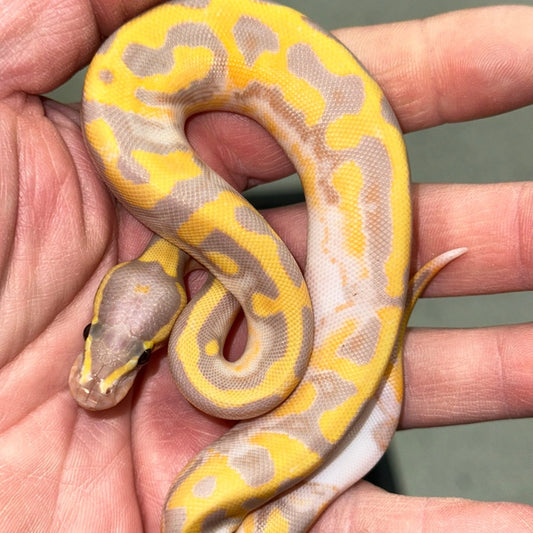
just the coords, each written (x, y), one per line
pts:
(319, 386)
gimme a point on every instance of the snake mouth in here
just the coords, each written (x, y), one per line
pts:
(91, 394)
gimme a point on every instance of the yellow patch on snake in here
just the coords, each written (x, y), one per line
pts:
(219, 464)
(165, 253)
(333, 423)
(348, 182)
(167, 164)
(215, 463)
(144, 289)
(197, 61)
(225, 263)
(283, 465)
(86, 370)
(204, 220)
(299, 401)
(101, 130)
(107, 383)
(281, 522)
(268, 61)
(212, 348)
(336, 133)
(398, 258)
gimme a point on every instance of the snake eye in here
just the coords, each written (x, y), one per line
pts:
(144, 358)
(86, 330)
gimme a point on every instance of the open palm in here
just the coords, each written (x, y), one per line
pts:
(64, 469)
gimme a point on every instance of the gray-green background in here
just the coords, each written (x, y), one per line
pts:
(493, 460)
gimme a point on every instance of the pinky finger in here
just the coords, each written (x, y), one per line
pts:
(367, 508)
(460, 376)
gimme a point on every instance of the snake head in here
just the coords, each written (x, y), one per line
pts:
(135, 308)
(105, 371)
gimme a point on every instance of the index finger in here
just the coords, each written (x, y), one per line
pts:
(457, 66)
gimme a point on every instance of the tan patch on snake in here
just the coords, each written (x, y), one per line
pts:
(246, 464)
(106, 76)
(191, 3)
(145, 61)
(174, 519)
(205, 487)
(299, 509)
(372, 158)
(388, 114)
(253, 38)
(343, 94)
(122, 286)
(250, 220)
(222, 243)
(219, 521)
(357, 347)
(274, 109)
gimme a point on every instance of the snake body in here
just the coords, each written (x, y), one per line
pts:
(326, 351)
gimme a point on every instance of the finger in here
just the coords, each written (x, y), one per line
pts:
(492, 220)
(368, 508)
(452, 67)
(238, 148)
(42, 50)
(464, 376)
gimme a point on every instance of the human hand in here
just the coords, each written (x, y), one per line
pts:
(66, 469)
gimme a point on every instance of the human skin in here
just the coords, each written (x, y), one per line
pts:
(65, 469)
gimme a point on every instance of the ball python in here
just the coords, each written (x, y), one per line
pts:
(318, 388)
